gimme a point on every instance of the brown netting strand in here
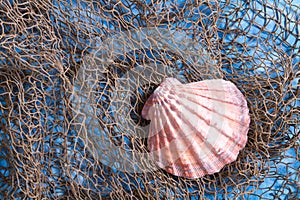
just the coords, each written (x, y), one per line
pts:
(74, 77)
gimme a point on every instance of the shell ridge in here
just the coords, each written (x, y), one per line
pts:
(198, 169)
(200, 86)
(212, 110)
(166, 122)
(234, 140)
(156, 109)
(184, 168)
(221, 131)
(153, 127)
(220, 100)
(177, 131)
(161, 124)
(158, 129)
(204, 83)
(177, 154)
(199, 134)
(162, 133)
(208, 124)
(188, 169)
(147, 106)
(158, 153)
(209, 145)
(154, 98)
(227, 86)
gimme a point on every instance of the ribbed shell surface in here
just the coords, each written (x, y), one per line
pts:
(196, 128)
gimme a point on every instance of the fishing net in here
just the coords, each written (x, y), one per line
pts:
(74, 76)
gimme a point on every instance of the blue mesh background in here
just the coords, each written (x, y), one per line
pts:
(254, 44)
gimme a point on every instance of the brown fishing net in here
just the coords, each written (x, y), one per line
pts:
(74, 76)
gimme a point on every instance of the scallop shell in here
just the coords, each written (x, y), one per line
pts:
(196, 128)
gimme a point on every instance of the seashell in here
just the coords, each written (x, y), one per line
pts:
(196, 128)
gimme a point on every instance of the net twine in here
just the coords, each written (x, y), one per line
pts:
(55, 53)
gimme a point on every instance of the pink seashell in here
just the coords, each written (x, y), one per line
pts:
(196, 128)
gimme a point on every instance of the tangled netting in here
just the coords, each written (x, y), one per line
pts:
(74, 76)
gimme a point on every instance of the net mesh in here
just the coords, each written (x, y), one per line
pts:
(74, 76)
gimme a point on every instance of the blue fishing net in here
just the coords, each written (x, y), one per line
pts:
(74, 77)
